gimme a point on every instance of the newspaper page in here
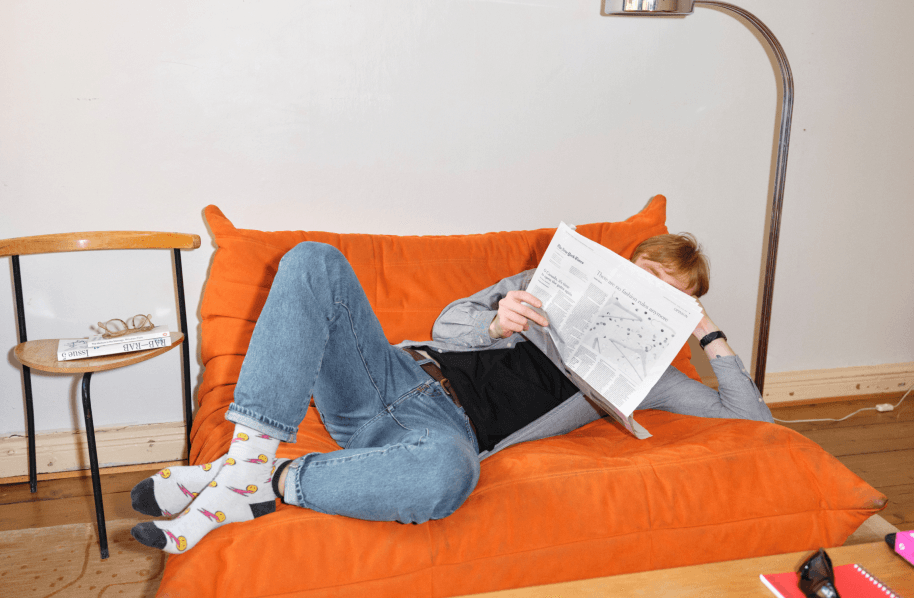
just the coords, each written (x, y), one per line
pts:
(616, 326)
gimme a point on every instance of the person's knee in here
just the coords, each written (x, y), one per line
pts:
(310, 254)
(316, 263)
(452, 476)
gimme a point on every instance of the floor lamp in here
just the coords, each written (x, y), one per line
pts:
(681, 8)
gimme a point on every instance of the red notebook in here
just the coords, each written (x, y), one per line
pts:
(851, 581)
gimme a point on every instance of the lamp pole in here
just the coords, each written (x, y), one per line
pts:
(684, 8)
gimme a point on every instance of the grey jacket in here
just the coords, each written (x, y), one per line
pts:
(464, 326)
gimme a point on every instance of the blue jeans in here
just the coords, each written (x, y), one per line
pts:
(408, 453)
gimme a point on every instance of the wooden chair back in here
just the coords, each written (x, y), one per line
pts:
(99, 240)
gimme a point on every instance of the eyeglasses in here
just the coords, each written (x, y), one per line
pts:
(117, 327)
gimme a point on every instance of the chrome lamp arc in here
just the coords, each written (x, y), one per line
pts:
(682, 8)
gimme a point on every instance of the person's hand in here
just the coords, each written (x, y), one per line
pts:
(513, 316)
(716, 348)
(705, 326)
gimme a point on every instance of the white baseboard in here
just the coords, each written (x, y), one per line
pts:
(810, 385)
(119, 445)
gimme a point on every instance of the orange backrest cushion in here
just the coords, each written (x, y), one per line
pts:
(408, 281)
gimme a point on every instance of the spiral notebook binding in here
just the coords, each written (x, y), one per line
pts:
(884, 588)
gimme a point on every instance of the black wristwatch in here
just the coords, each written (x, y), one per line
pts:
(711, 337)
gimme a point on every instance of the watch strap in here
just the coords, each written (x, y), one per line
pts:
(711, 337)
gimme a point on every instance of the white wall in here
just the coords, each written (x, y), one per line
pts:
(456, 116)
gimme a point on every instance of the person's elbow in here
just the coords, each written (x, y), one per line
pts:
(761, 413)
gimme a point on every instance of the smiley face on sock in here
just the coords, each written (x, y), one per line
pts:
(218, 516)
(180, 541)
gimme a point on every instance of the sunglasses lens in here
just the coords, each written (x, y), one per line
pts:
(817, 577)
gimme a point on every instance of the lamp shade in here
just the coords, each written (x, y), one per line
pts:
(643, 8)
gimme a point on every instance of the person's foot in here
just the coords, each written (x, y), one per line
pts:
(172, 489)
(241, 491)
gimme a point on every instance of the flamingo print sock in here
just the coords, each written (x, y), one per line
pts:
(241, 491)
(172, 489)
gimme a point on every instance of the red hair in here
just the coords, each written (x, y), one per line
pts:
(682, 256)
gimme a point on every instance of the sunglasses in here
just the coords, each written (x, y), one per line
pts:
(817, 576)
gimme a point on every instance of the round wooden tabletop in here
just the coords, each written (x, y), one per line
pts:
(42, 355)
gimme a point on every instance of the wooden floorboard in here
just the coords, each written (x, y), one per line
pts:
(883, 469)
(900, 510)
(60, 502)
(70, 487)
(872, 438)
(904, 412)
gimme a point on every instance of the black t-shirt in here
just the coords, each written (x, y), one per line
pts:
(503, 390)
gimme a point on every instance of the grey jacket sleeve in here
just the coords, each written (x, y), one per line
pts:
(737, 396)
(465, 322)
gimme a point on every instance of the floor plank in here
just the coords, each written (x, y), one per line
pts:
(66, 502)
(70, 487)
(891, 468)
(904, 412)
(900, 510)
(872, 438)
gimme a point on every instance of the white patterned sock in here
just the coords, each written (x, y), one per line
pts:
(241, 491)
(172, 489)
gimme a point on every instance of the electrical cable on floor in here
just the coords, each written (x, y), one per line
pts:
(883, 407)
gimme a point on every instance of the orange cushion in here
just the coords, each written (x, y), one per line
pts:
(408, 281)
(590, 503)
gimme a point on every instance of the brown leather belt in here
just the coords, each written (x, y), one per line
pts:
(432, 369)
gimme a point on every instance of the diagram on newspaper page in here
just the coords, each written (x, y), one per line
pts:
(616, 326)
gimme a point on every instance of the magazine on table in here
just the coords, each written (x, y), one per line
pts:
(99, 340)
(616, 327)
(78, 348)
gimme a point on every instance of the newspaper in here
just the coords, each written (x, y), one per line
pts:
(616, 327)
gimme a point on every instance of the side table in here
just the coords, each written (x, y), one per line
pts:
(42, 355)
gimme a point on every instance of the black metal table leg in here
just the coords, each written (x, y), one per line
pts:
(185, 350)
(30, 422)
(26, 376)
(93, 462)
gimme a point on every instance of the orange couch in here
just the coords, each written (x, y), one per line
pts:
(590, 503)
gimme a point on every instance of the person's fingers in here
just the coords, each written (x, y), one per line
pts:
(513, 321)
(512, 303)
(525, 296)
(537, 315)
(528, 313)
